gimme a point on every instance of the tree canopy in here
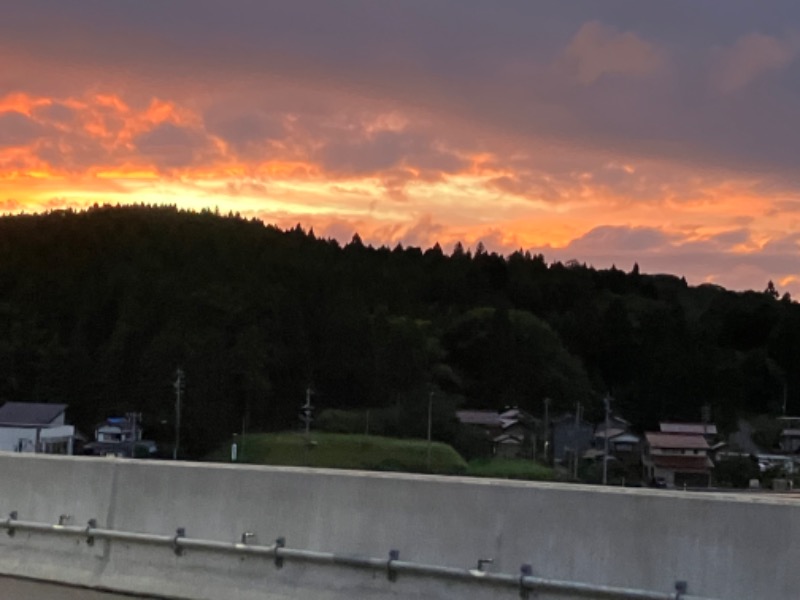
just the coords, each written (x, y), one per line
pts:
(98, 309)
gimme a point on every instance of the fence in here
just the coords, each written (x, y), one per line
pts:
(525, 582)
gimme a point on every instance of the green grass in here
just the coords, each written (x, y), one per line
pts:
(509, 468)
(345, 451)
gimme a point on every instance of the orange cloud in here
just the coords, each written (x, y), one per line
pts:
(394, 180)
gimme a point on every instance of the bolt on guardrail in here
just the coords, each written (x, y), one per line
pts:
(526, 583)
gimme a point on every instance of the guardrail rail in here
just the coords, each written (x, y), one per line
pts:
(525, 582)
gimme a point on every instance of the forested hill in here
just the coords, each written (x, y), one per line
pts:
(99, 308)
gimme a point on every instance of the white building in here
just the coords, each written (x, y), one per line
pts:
(35, 427)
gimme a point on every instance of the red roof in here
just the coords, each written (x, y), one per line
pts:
(677, 441)
(682, 464)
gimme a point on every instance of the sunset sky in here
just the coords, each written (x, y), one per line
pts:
(610, 132)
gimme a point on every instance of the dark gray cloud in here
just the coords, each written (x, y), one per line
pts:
(173, 146)
(248, 133)
(55, 113)
(17, 129)
(386, 150)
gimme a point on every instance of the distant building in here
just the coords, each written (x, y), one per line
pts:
(511, 433)
(624, 447)
(488, 420)
(35, 427)
(120, 436)
(707, 430)
(621, 443)
(790, 434)
(677, 459)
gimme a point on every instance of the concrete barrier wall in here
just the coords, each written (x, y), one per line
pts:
(727, 546)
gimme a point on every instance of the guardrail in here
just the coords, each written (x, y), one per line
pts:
(524, 582)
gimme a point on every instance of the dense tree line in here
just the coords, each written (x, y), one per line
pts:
(99, 308)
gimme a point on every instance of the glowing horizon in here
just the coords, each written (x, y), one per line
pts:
(580, 145)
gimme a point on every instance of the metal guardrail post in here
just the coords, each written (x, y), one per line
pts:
(279, 543)
(525, 570)
(12, 516)
(92, 524)
(391, 574)
(180, 532)
(681, 589)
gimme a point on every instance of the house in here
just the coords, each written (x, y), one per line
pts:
(488, 420)
(35, 427)
(615, 422)
(120, 436)
(790, 434)
(677, 459)
(512, 432)
(707, 430)
(117, 430)
(624, 447)
(621, 443)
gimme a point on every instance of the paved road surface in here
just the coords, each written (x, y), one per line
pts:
(19, 589)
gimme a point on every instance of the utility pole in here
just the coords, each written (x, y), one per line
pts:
(430, 427)
(607, 402)
(306, 414)
(546, 446)
(785, 395)
(577, 437)
(133, 418)
(244, 431)
(178, 385)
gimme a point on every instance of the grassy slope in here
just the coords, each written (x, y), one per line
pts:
(346, 451)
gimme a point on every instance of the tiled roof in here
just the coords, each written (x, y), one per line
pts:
(689, 428)
(612, 433)
(674, 440)
(507, 439)
(30, 413)
(487, 418)
(626, 438)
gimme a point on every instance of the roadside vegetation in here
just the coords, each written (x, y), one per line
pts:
(344, 451)
(373, 453)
